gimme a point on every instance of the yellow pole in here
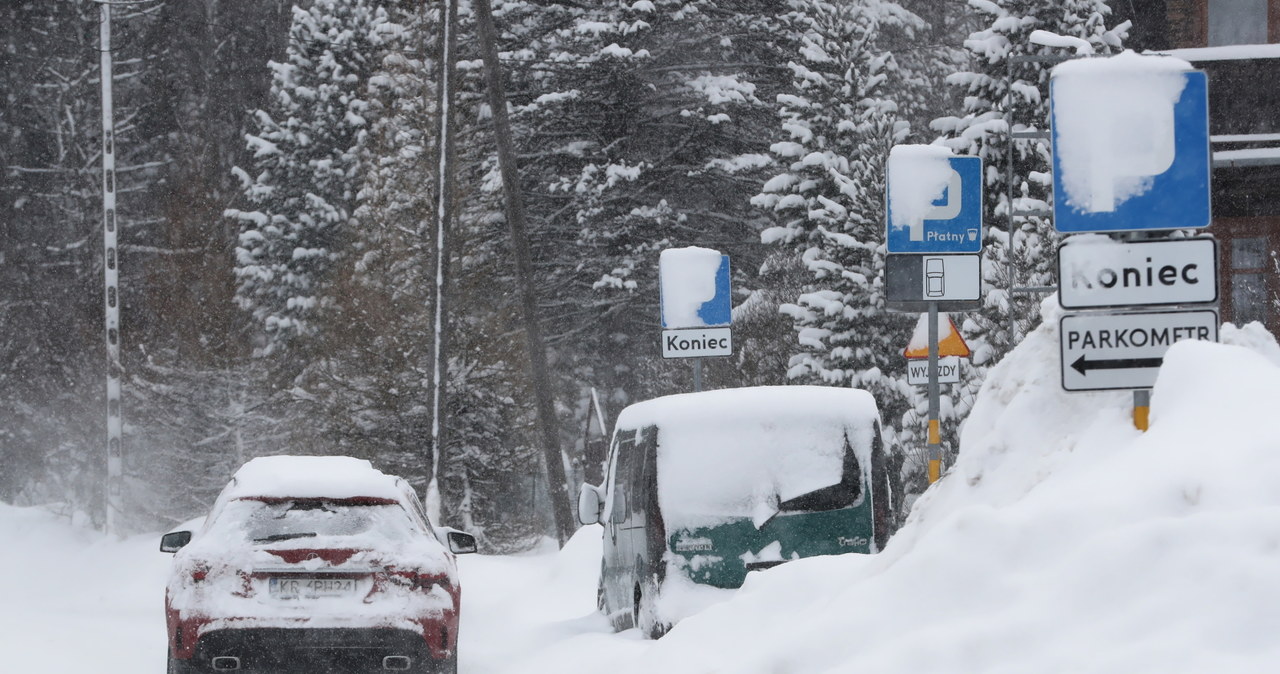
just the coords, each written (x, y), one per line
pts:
(1141, 409)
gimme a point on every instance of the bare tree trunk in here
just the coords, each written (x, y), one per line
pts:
(557, 488)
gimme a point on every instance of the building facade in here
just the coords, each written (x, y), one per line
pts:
(1237, 42)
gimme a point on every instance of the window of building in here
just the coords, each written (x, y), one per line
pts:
(1250, 300)
(1237, 22)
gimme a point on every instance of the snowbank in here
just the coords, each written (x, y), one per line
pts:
(76, 600)
(1063, 540)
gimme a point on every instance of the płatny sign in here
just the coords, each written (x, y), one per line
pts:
(1096, 271)
(950, 224)
(948, 371)
(1125, 351)
(697, 343)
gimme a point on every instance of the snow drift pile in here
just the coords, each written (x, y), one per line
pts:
(1064, 540)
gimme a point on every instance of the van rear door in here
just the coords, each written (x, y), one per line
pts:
(618, 555)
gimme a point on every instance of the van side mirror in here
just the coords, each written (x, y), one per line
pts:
(590, 502)
(461, 542)
(174, 541)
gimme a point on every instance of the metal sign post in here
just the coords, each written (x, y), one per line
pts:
(935, 437)
(933, 234)
(1156, 180)
(696, 308)
(111, 281)
(1142, 409)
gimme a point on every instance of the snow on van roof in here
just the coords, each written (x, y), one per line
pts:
(753, 402)
(312, 477)
(739, 452)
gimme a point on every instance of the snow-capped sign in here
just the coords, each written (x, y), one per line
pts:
(934, 201)
(694, 284)
(950, 342)
(1130, 137)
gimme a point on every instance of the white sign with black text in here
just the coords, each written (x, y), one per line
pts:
(697, 343)
(1125, 351)
(948, 371)
(1095, 271)
(951, 277)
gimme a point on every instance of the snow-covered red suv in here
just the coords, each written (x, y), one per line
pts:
(314, 564)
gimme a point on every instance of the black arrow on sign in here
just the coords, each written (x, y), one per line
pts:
(1083, 364)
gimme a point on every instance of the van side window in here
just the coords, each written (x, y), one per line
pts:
(839, 495)
(623, 477)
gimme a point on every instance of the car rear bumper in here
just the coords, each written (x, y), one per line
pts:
(310, 650)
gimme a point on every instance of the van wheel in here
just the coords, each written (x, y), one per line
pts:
(644, 618)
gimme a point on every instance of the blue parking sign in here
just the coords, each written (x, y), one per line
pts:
(1142, 164)
(954, 222)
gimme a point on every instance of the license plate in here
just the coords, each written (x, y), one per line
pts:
(311, 588)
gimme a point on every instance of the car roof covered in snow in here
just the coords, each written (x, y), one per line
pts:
(313, 477)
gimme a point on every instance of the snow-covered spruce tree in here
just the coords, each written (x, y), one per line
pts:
(382, 373)
(371, 388)
(303, 181)
(991, 101)
(841, 120)
(641, 126)
(51, 219)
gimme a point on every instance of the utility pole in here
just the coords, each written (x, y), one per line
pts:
(557, 488)
(444, 217)
(111, 278)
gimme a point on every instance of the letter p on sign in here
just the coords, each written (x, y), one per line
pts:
(1130, 144)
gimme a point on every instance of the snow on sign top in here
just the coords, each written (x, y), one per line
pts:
(1115, 132)
(312, 477)
(950, 341)
(694, 283)
(917, 177)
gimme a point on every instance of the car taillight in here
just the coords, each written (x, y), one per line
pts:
(199, 572)
(421, 581)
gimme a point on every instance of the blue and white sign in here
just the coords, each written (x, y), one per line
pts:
(694, 283)
(932, 211)
(1130, 138)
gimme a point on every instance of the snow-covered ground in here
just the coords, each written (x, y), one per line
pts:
(1062, 541)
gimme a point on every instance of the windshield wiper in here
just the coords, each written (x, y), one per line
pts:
(285, 537)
